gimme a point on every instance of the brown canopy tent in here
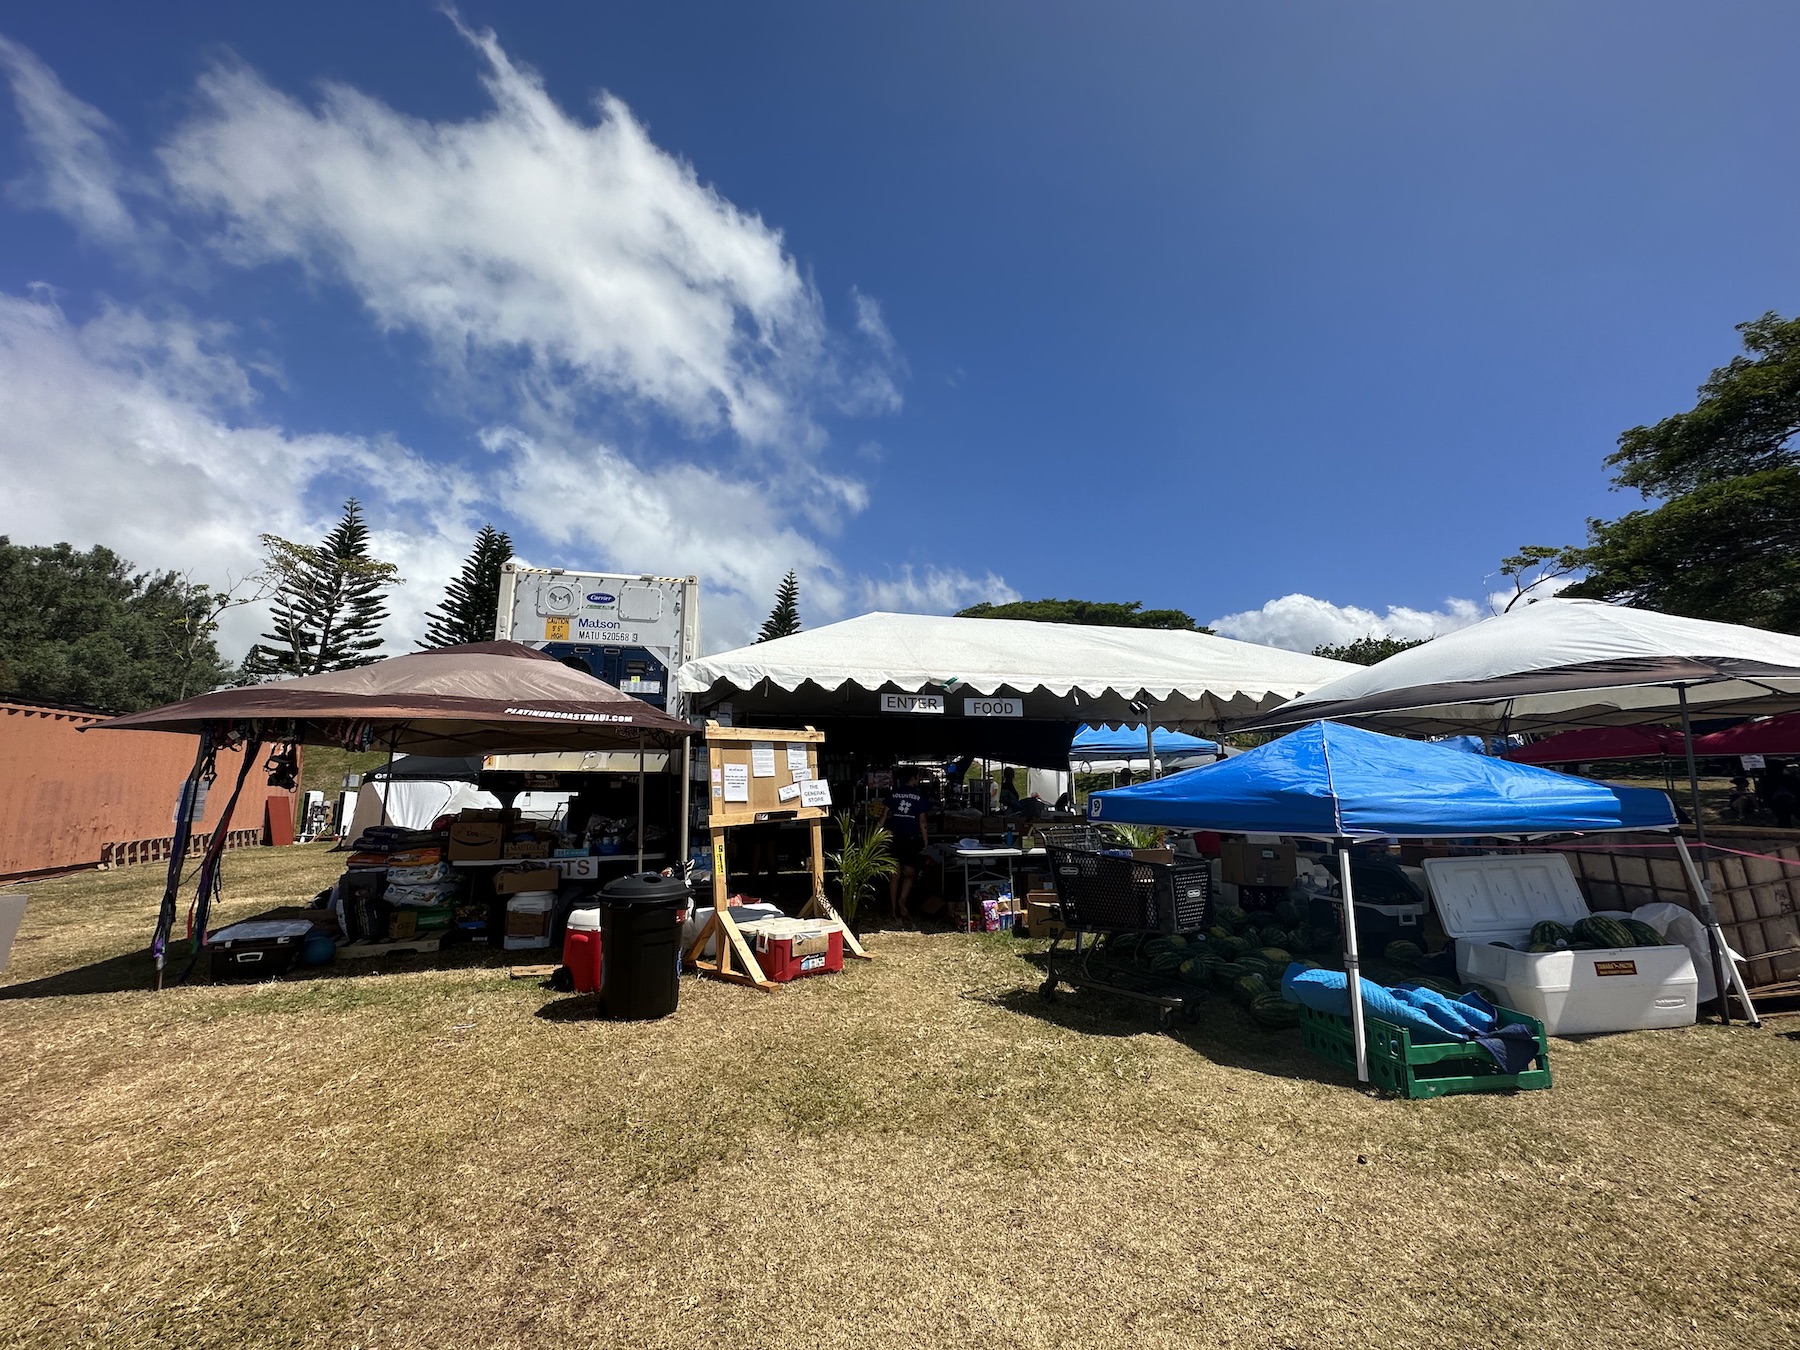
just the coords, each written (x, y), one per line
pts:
(490, 697)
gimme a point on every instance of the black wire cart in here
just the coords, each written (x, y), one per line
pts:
(1103, 894)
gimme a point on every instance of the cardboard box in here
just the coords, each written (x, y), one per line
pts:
(487, 814)
(404, 923)
(1043, 916)
(525, 848)
(527, 923)
(517, 883)
(1158, 855)
(1246, 864)
(475, 841)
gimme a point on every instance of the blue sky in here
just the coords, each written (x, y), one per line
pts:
(1294, 316)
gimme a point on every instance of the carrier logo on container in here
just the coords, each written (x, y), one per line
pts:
(601, 598)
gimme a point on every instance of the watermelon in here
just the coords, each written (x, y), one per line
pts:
(1166, 963)
(1232, 947)
(1272, 936)
(1255, 965)
(1287, 913)
(1275, 956)
(1225, 973)
(1196, 970)
(1550, 934)
(1437, 986)
(1604, 932)
(1642, 933)
(1176, 940)
(1123, 942)
(1271, 1010)
(1218, 932)
(1404, 953)
(1580, 946)
(1247, 988)
(1541, 947)
(1234, 918)
(1324, 940)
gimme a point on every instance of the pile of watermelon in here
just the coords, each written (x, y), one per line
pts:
(1593, 934)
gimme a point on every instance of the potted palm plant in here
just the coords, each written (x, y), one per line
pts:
(867, 856)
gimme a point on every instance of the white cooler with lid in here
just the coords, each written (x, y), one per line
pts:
(1486, 900)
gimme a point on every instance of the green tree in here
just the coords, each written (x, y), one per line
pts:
(784, 619)
(1097, 613)
(1722, 538)
(1366, 651)
(472, 599)
(329, 602)
(87, 628)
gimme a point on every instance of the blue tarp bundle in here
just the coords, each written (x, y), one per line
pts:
(1125, 742)
(1334, 781)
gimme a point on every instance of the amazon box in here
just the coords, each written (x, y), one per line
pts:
(517, 883)
(476, 840)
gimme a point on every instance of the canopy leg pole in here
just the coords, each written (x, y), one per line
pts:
(1353, 964)
(640, 828)
(687, 787)
(1150, 746)
(1716, 938)
(387, 782)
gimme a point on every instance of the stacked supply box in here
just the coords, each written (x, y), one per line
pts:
(1490, 904)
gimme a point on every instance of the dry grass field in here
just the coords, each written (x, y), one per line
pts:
(916, 1153)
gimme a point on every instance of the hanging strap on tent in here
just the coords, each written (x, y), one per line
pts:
(204, 769)
(208, 887)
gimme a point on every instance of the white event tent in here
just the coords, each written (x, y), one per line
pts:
(1064, 672)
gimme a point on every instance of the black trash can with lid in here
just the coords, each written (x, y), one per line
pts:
(640, 944)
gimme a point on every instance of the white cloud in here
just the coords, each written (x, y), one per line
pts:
(555, 267)
(559, 258)
(78, 175)
(1302, 622)
(123, 432)
(932, 591)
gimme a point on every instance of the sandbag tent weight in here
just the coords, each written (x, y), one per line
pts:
(735, 746)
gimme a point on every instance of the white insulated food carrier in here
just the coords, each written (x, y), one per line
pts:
(1488, 900)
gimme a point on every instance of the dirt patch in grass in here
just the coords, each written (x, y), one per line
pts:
(917, 1152)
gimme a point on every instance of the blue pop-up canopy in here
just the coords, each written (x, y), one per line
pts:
(1333, 781)
(1125, 742)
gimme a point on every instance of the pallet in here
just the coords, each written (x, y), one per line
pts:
(368, 951)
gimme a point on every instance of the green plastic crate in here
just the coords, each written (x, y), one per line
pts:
(1434, 1069)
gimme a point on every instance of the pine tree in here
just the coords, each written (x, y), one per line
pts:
(472, 600)
(329, 602)
(784, 619)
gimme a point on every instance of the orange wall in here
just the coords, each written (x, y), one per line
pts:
(64, 793)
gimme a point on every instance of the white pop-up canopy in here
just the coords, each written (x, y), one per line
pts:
(1572, 663)
(1562, 663)
(1062, 671)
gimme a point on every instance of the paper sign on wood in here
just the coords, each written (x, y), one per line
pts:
(815, 792)
(762, 759)
(737, 782)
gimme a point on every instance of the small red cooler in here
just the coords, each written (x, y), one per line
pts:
(581, 948)
(788, 949)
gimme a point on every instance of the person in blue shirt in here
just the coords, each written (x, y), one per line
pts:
(903, 812)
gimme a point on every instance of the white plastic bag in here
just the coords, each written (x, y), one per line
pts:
(1679, 924)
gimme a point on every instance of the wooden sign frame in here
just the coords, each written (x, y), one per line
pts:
(736, 746)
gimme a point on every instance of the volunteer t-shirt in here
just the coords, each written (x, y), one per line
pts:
(906, 808)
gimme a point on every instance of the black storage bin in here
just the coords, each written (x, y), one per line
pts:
(261, 949)
(1101, 892)
(640, 945)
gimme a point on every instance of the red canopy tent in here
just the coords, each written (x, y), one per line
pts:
(1767, 736)
(1588, 743)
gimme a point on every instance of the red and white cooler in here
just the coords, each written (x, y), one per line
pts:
(790, 949)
